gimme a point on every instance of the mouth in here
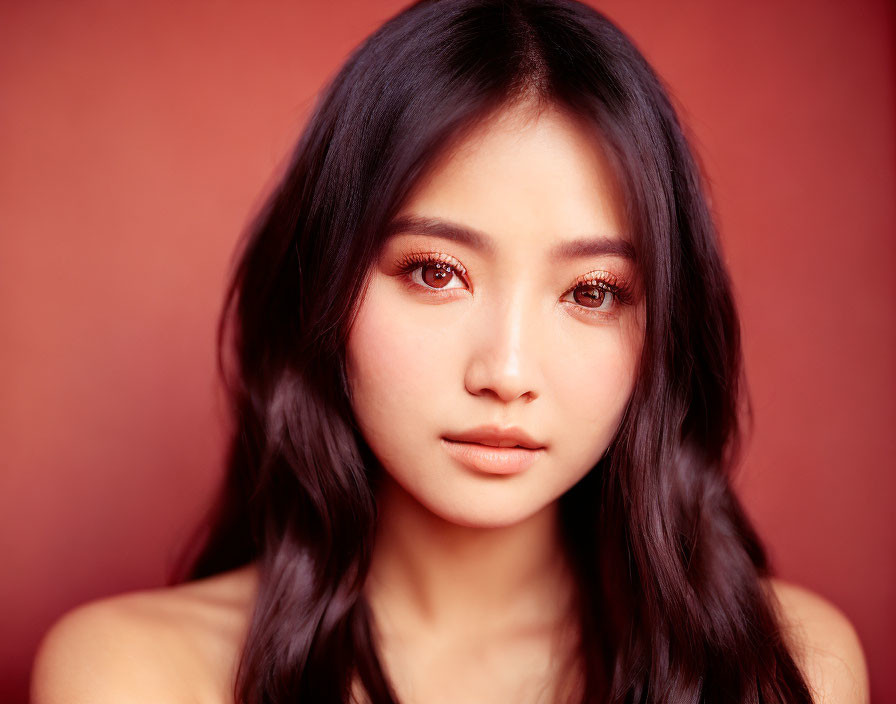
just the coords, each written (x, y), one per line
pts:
(497, 436)
(492, 459)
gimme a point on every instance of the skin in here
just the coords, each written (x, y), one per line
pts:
(181, 645)
(463, 556)
(467, 587)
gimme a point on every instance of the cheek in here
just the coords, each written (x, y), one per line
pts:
(594, 383)
(396, 359)
(595, 386)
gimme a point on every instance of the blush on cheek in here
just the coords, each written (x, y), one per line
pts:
(596, 386)
(399, 348)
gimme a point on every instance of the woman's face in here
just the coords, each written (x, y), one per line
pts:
(505, 297)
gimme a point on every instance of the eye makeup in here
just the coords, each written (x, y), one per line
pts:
(591, 291)
(412, 260)
(598, 294)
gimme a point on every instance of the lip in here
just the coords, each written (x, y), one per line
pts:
(495, 436)
(490, 459)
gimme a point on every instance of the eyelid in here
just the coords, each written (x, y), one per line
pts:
(421, 257)
(595, 277)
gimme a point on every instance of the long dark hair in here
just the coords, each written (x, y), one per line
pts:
(673, 605)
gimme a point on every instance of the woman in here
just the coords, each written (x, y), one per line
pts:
(486, 392)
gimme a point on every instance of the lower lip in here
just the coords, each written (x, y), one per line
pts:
(492, 460)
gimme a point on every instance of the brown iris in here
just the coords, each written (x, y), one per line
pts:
(440, 274)
(593, 296)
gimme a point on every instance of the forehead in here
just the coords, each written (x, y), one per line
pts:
(524, 177)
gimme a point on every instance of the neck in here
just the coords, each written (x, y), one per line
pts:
(429, 573)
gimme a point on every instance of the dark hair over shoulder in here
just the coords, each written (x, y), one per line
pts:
(672, 603)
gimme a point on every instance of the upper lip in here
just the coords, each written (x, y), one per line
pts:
(497, 437)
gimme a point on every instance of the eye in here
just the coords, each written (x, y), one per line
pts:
(597, 297)
(598, 294)
(436, 272)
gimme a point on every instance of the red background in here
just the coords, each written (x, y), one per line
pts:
(137, 139)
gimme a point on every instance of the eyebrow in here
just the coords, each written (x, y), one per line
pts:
(570, 249)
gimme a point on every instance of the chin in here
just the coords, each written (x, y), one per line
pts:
(470, 514)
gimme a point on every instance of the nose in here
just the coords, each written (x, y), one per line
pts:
(503, 359)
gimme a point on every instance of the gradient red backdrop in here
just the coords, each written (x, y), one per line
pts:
(136, 140)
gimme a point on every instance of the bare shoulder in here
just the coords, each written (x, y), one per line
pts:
(824, 643)
(174, 644)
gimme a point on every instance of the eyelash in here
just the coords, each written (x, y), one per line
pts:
(601, 280)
